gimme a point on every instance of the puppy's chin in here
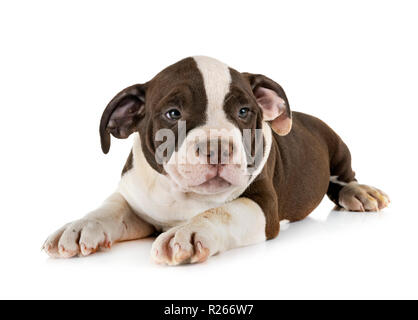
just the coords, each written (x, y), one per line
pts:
(211, 186)
(214, 185)
(206, 179)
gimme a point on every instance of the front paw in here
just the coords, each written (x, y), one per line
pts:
(81, 237)
(360, 197)
(190, 243)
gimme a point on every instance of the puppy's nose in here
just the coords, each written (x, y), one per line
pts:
(217, 151)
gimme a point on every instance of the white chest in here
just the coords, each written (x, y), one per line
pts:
(154, 198)
(157, 202)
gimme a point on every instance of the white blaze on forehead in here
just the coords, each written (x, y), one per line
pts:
(216, 79)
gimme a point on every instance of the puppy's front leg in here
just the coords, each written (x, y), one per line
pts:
(113, 221)
(238, 223)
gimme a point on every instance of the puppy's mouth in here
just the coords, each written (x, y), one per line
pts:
(215, 182)
(207, 179)
(212, 186)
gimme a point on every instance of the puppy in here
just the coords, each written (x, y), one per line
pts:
(218, 160)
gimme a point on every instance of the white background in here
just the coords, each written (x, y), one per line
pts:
(351, 63)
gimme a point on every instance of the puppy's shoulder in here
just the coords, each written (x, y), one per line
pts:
(304, 124)
(308, 121)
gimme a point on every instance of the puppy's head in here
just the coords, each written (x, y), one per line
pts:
(201, 123)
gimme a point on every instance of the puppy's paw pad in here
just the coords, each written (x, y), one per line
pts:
(182, 252)
(82, 237)
(359, 197)
(66, 252)
(181, 245)
(201, 253)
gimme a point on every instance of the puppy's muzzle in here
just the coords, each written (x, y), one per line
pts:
(216, 151)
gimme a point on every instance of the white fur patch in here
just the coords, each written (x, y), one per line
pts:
(334, 179)
(248, 223)
(157, 199)
(217, 80)
(238, 223)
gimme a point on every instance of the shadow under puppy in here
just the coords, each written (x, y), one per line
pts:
(218, 161)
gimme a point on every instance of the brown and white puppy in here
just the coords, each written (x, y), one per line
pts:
(218, 161)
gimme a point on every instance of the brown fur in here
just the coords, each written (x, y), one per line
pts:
(296, 176)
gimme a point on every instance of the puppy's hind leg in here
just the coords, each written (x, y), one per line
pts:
(345, 191)
(114, 221)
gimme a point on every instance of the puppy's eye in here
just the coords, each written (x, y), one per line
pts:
(173, 114)
(243, 113)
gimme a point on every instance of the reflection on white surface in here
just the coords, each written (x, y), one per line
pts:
(334, 221)
(331, 254)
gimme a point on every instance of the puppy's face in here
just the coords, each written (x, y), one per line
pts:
(201, 123)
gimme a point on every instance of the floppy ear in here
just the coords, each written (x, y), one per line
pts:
(122, 115)
(272, 100)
